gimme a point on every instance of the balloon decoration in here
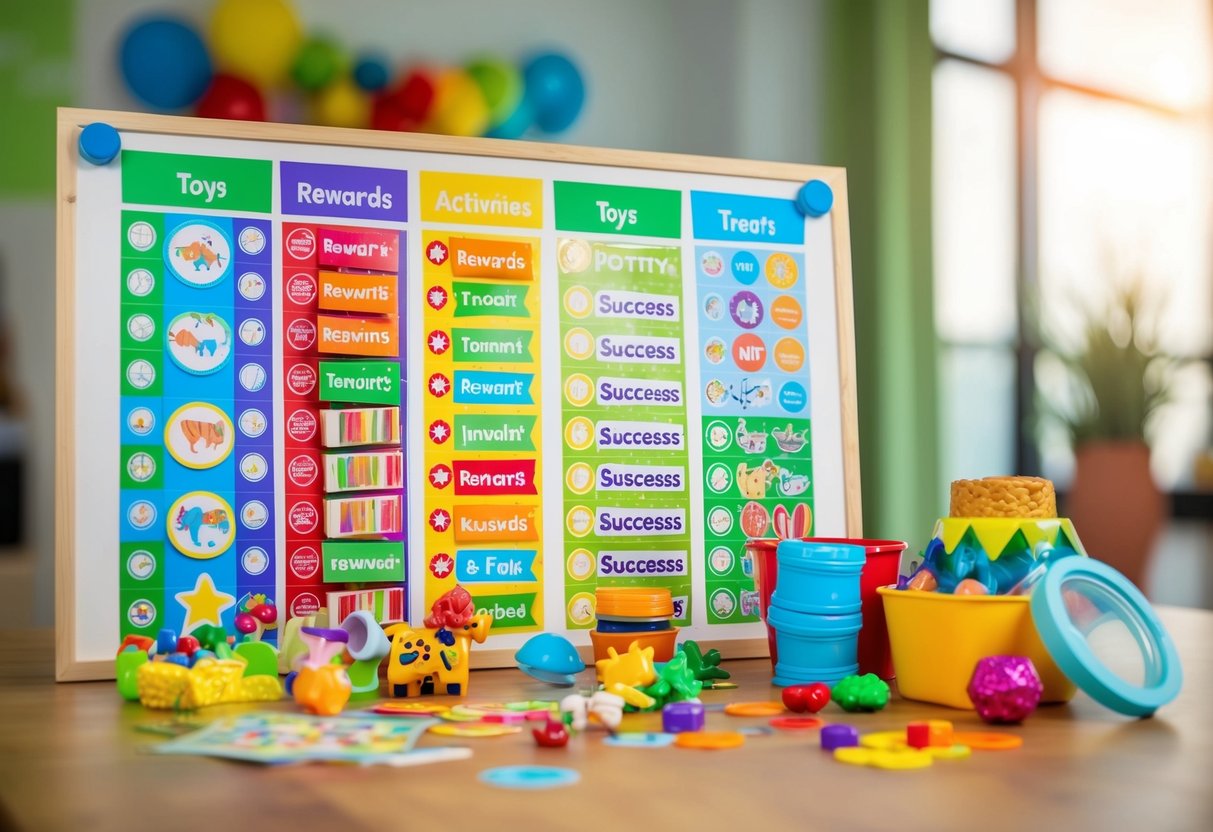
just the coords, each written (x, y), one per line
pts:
(257, 60)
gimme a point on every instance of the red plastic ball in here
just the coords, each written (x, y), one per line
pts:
(265, 613)
(188, 645)
(416, 94)
(388, 113)
(818, 696)
(795, 698)
(245, 623)
(233, 98)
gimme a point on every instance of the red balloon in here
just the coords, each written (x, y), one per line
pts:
(416, 94)
(388, 113)
(232, 98)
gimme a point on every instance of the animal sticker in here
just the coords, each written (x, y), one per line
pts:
(199, 342)
(199, 253)
(200, 525)
(199, 435)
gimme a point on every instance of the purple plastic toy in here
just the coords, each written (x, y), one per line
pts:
(677, 717)
(839, 736)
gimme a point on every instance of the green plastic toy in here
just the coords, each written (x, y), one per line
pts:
(704, 666)
(675, 683)
(861, 693)
(261, 658)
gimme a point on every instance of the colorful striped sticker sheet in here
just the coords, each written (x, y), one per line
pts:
(347, 427)
(363, 471)
(374, 516)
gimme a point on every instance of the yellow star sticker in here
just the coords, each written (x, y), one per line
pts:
(204, 605)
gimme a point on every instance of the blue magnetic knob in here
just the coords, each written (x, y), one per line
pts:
(815, 198)
(99, 143)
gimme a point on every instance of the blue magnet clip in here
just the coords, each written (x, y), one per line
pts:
(99, 143)
(815, 198)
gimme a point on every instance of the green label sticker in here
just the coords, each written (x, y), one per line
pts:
(500, 346)
(477, 300)
(360, 382)
(196, 181)
(616, 209)
(363, 562)
(508, 611)
(494, 433)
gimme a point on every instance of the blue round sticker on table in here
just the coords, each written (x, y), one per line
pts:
(530, 777)
(793, 397)
(640, 739)
(745, 268)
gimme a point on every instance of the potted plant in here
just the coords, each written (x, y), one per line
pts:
(1104, 386)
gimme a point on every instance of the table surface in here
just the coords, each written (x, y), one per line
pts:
(71, 758)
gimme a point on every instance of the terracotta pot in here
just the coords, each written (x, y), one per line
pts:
(1116, 506)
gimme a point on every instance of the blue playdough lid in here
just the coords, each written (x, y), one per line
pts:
(1103, 634)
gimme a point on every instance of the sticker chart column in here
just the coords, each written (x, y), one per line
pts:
(756, 431)
(343, 393)
(623, 396)
(481, 356)
(197, 381)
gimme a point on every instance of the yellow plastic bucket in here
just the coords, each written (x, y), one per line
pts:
(937, 640)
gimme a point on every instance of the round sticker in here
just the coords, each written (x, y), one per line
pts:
(252, 332)
(140, 374)
(141, 327)
(300, 334)
(745, 268)
(141, 421)
(253, 467)
(711, 263)
(198, 435)
(141, 515)
(581, 609)
(578, 343)
(251, 240)
(301, 289)
(749, 352)
(301, 379)
(573, 256)
(254, 560)
(199, 342)
(254, 515)
(781, 271)
(755, 519)
(724, 603)
(579, 433)
(200, 525)
(300, 243)
(578, 389)
(140, 466)
(716, 393)
(577, 301)
(721, 560)
(580, 521)
(718, 436)
(253, 423)
(140, 282)
(719, 478)
(251, 286)
(304, 562)
(720, 521)
(529, 777)
(713, 307)
(301, 425)
(579, 478)
(709, 740)
(302, 470)
(141, 236)
(793, 397)
(141, 613)
(305, 603)
(745, 308)
(580, 564)
(714, 350)
(198, 252)
(789, 355)
(141, 564)
(303, 517)
(252, 377)
(755, 709)
(640, 739)
(786, 312)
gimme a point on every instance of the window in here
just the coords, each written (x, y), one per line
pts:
(1072, 150)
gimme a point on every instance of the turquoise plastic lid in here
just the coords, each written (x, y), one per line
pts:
(1103, 634)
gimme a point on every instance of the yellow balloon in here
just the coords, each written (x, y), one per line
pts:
(255, 39)
(459, 107)
(342, 104)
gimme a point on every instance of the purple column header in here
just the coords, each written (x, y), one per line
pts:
(344, 191)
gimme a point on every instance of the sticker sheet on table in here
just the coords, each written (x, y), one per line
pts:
(268, 448)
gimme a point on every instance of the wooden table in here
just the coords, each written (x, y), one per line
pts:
(70, 758)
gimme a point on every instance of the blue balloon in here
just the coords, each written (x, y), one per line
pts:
(371, 73)
(555, 90)
(165, 63)
(516, 124)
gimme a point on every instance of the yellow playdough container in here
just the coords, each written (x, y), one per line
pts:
(937, 639)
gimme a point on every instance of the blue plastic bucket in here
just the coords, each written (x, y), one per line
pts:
(819, 578)
(814, 648)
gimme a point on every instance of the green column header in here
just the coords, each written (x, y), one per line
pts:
(197, 181)
(617, 209)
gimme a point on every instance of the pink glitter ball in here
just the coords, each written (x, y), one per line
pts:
(1005, 688)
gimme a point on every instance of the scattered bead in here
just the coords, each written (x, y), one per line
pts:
(1005, 689)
